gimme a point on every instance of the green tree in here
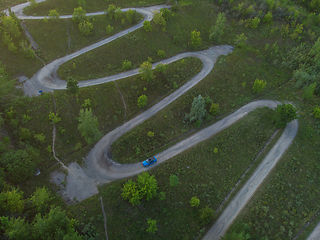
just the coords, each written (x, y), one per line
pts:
(10, 25)
(152, 225)
(40, 198)
(147, 26)
(53, 225)
(197, 111)
(20, 164)
(194, 202)
(72, 85)
(53, 14)
(268, 18)
(131, 15)
(217, 30)
(160, 21)
(240, 40)
(85, 27)
(196, 40)
(111, 10)
(146, 71)
(161, 68)
(283, 114)
(142, 101)
(79, 15)
(33, 3)
(16, 228)
(12, 201)
(130, 192)
(6, 85)
(206, 214)
(118, 14)
(258, 86)
(309, 91)
(89, 126)
(54, 118)
(254, 22)
(147, 185)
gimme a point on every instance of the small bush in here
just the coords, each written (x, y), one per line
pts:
(194, 202)
(85, 28)
(206, 214)
(160, 21)
(152, 225)
(316, 112)
(126, 65)
(146, 71)
(174, 180)
(147, 26)
(240, 40)
(109, 30)
(254, 22)
(161, 53)
(79, 15)
(258, 86)
(150, 134)
(268, 19)
(215, 150)
(131, 16)
(54, 118)
(118, 14)
(176, 39)
(142, 101)
(214, 109)
(196, 40)
(111, 10)
(309, 91)
(161, 68)
(53, 14)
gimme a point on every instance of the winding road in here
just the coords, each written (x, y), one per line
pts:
(102, 169)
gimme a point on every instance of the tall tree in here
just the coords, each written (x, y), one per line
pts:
(88, 126)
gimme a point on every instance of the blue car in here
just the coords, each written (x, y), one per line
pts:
(149, 161)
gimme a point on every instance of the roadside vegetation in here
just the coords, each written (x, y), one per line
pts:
(276, 57)
(208, 171)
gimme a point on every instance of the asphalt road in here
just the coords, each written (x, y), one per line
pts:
(100, 167)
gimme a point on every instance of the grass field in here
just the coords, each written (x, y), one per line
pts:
(223, 82)
(289, 199)
(9, 3)
(53, 36)
(107, 103)
(64, 7)
(201, 172)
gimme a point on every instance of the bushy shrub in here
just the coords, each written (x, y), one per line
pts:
(316, 112)
(161, 53)
(53, 14)
(268, 19)
(147, 26)
(240, 40)
(152, 225)
(214, 109)
(146, 71)
(283, 114)
(118, 14)
(111, 10)
(258, 85)
(79, 15)
(160, 21)
(142, 101)
(194, 202)
(161, 68)
(85, 27)
(196, 40)
(131, 15)
(109, 30)
(206, 214)
(254, 22)
(126, 65)
(217, 30)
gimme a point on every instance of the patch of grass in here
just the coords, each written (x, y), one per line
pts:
(9, 3)
(223, 86)
(112, 113)
(139, 45)
(66, 7)
(201, 172)
(289, 198)
(53, 39)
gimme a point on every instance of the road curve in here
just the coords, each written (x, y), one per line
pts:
(100, 166)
